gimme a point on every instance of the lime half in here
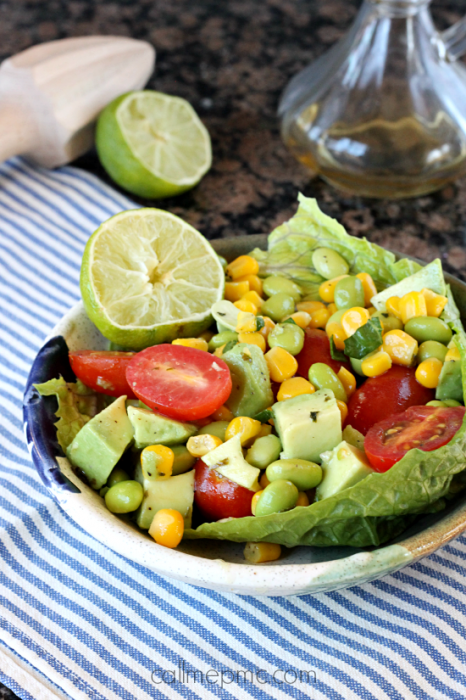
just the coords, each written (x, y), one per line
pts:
(153, 145)
(148, 277)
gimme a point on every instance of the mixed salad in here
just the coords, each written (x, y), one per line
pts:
(323, 405)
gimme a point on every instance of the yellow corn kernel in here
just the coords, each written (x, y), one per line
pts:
(200, 445)
(301, 318)
(282, 365)
(263, 481)
(428, 372)
(253, 339)
(255, 498)
(393, 307)
(254, 297)
(353, 319)
(245, 305)
(218, 352)
(435, 303)
(376, 363)
(370, 290)
(294, 387)
(255, 283)
(246, 428)
(411, 305)
(327, 289)
(260, 552)
(196, 343)
(160, 457)
(339, 336)
(303, 499)
(235, 290)
(222, 413)
(167, 527)
(268, 326)
(310, 306)
(244, 265)
(332, 308)
(265, 430)
(372, 310)
(401, 347)
(319, 318)
(207, 335)
(348, 380)
(452, 354)
(246, 322)
(343, 410)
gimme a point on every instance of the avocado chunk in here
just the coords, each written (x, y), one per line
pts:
(228, 460)
(450, 385)
(430, 277)
(308, 425)
(176, 492)
(101, 442)
(154, 429)
(251, 391)
(343, 467)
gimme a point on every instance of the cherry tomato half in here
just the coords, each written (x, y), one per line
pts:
(316, 348)
(218, 497)
(382, 396)
(424, 427)
(103, 371)
(180, 382)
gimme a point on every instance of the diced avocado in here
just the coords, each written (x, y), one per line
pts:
(354, 437)
(176, 492)
(100, 443)
(154, 429)
(343, 467)
(308, 425)
(228, 461)
(430, 277)
(251, 391)
(450, 384)
(226, 315)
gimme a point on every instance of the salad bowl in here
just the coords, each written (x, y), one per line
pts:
(211, 564)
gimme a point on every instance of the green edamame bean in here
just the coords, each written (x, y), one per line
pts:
(349, 292)
(335, 318)
(329, 264)
(451, 402)
(389, 322)
(217, 428)
(281, 285)
(288, 336)
(116, 475)
(278, 306)
(424, 328)
(277, 497)
(124, 497)
(431, 348)
(303, 474)
(357, 366)
(183, 461)
(323, 377)
(436, 404)
(221, 339)
(222, 262)
(264, 451)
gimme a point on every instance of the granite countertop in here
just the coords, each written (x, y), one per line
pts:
(231, 60)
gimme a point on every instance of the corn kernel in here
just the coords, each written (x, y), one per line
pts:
(372, 310)
(327, 288)
(218, 352)
(167, 527)
(282, 365)
(301, 318)
(265, 430)
(343, 410)
(254, 297)
(253, 339)
(255, 283)
(412, 305)
(452, 354)
(244, 265)
(401, 347)
(260, 552)
(376, 363)
(200, 445)
(319, 318)
(339, 336)
(246, 322)
(268, 326)
(255, 498)
(159, 459)
(348, 380)
(332, 308)
(245, 305)
(263, 481)
(222, 413)
(235, 290)
(353, 319)
(196, 343)
(294, 387)
(309, 306)
(303, 499)
(428, 372)
(246, 428)
(370, 290)
(435, 303)
(393, 307)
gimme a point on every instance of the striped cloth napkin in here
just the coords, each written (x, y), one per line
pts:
(79, 621)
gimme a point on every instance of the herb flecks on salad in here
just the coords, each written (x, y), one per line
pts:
(323, 405)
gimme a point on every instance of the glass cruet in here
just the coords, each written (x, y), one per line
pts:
(383, 113)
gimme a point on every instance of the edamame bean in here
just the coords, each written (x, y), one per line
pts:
(357, 366)
(431, 348)
(277, 497)
(278, 306)
(281, 285)
(264, 451)
(221, 339)
(183, 461)
(288, 336)
(389, 322)
(451, 402)
(424, 328)
(217, 428)
(436, 404)
(323, 377)
(329, 264)
(222, 262)
(124, 497)
(303, 474)
(349, 292)
(116, 475)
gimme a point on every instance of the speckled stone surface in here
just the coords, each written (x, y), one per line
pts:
(231, 60)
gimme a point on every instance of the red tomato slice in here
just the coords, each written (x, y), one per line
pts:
(181, 382)
(103, 371)
(218, 497)
(316, 348)
(424, 427)
(382, 396)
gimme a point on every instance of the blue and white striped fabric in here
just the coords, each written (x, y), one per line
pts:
(78, 621)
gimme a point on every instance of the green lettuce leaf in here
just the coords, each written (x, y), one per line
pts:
(365, 340)
(451, 314)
